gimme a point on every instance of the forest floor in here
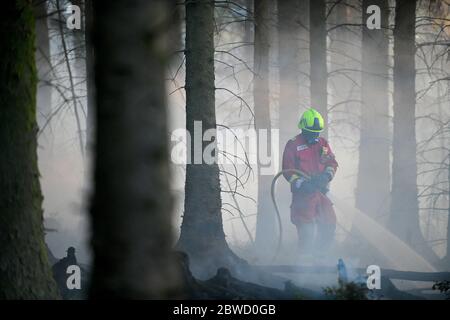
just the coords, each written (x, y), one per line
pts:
(274, 282)
(225, 285)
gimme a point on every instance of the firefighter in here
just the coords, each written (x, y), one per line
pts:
(311, 210)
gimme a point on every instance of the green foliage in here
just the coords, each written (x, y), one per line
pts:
(443, 287)
(346, 291)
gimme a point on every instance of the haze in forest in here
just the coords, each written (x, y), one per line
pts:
(384, 94)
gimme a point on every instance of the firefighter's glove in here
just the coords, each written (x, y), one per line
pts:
(321, 181)
(297, 184)
(302, 185)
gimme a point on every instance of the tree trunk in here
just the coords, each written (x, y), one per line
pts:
(90, 87)
(293, 62)
(304, 67)
(289, 68)
(78, 39)
(265, 223)
(404, 210)
(43, 64)
(202, 236)
(318, 58)
(24, 269)
(404, 207)
(344, 76)
(373, 182)
(447, 256)
(339, 47)
(132, 204)
(248, 32)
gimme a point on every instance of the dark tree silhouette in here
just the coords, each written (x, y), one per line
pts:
(44, 68)
(24, 269)
(132, 204)
(288, 58)
(265, 223)
(202, 236)
(318, 58)
(404, 210)
(90, 56)
(373, 184)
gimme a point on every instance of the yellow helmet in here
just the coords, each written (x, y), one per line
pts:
(311, 121)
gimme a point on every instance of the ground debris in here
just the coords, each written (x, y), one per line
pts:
(225, 286)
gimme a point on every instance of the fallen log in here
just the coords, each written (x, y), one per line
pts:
(388, 273)
(226, 286)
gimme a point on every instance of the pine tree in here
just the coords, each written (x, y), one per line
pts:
(131, 208)
(24, 268)
(202, 236)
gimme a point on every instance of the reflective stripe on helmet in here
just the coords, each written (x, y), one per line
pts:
(311, 121)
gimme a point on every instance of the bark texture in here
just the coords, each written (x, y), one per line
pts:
(24, 269)
(202, 236)
(131, 207)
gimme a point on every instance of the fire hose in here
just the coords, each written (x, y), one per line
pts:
(272, 194)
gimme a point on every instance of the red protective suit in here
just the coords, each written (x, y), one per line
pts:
(311, 159)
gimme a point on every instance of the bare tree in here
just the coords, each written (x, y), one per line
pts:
(318, 58)
(404, 210)
(293, 64)
(132, 204)
(248, 30)
(289, 63)
(202, 236)
(447, 253)
(373, 184)
(404, 207)
(24, 269)
(90, 87)
(265, 223)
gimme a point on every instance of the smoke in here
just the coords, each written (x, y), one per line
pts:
(65, 176)
(64, 184)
